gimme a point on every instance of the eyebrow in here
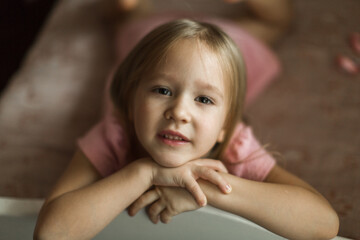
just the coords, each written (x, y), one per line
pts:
(209, 87)
(200, 83)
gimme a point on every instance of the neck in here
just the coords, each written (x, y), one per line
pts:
(137, 149)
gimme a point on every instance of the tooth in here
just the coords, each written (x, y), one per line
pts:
(172, 137)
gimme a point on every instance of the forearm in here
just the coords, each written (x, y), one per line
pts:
(290, 211)
(82, 213)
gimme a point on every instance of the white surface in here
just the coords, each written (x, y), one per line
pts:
(18, 219)
(19, 207)
(203, 224)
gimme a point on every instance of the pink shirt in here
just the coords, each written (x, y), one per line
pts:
(106, 145)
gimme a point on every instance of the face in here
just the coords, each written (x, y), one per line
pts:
(179, 109)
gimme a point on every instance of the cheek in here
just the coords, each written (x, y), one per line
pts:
(211, 126)
(145, 115)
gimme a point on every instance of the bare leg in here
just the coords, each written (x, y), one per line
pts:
(127, 5)
(119, 10)
(268, 20)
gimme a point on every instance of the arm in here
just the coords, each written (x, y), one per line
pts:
(288, 206)
(72, 211)
(164, 203)
(284, 204)
(82, 203)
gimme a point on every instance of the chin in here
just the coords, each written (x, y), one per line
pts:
(165, 162)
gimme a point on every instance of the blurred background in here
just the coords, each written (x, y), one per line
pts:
(310, 114)
(20, 22)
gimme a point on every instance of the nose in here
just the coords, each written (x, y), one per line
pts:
(178, 111)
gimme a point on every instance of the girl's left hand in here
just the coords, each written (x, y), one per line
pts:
(164, 203)
(187, 174)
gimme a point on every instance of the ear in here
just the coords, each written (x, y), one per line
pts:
(221, 136)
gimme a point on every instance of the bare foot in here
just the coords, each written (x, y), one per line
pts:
(264, 19)
(133, 8)
(121, 10)
(127, 5)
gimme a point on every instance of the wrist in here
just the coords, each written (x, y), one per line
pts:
(145, 168)
(213, 194)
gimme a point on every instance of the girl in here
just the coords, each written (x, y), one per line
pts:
(178, 100)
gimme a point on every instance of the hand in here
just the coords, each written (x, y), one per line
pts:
(165, 202)
(186, 175)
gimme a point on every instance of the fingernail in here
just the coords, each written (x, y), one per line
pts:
(204, 202)
(228, 188)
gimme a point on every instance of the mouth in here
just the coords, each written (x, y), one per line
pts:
(173, 138)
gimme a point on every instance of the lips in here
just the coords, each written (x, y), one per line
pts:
(172, 137)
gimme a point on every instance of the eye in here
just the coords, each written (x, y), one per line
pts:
(204, 100)
(162, 91)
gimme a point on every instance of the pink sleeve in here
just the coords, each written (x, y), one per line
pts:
(245, 157)
(105, 146)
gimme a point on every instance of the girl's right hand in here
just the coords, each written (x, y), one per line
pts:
(186, 175)
(164, 203)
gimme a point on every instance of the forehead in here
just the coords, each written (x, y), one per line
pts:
(192, 57)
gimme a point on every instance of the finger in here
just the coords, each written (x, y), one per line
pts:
(193, 187)
(154, 211)
(213, 177)
(146, 199)
(211, 163)
(165, 216)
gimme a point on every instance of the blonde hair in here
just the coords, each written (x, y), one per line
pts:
(150, 51)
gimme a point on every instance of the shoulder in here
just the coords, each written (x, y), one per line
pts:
(245, 157)
(106, 146)
(242, 144)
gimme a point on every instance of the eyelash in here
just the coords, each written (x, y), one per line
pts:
(208, 100)
(167, 92)
(160, 90)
